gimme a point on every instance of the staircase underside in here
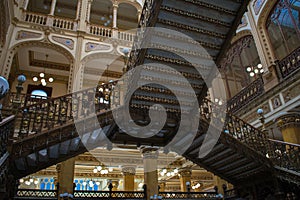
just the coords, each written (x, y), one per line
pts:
(210, 23)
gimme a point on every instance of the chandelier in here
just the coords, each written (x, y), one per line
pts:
(102, 169)
(43, 78)
(106, 20)
(253, 70)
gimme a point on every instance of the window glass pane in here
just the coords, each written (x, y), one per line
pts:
(283, 27)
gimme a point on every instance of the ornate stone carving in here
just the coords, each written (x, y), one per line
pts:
(128, 170)
(185, 172)
(257, 5)
(244, 22)
(21, 35)
(95, 47)
(69, 43)
(149, 152)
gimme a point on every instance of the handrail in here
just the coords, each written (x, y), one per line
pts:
(246, 95)
(290, 64)
(285, 155)
(61, 110)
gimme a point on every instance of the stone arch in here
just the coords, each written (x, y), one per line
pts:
(133, 3)
(14, 49)
(263, 34)
(240, 35)
(113, 56)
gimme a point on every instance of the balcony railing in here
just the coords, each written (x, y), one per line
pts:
(99, 30)
(190, 195)
(290, 64)
(126, 36)
(36, 194)
(71, 24)
(248, 94)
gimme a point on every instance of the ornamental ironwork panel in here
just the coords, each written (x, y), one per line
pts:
(189, 195)
(246, 96)
(40, 194)
(285, 155)
(290, 64)
(109, 195)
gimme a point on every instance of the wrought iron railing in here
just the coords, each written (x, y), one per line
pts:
(285, 155)
(35, 194)
(246, 95)
(290, 64)
(55, 112)
(15, 101)
(189, 195)
(109, 195)
(6, 128)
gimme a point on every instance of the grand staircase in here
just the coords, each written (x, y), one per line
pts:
(54, 130)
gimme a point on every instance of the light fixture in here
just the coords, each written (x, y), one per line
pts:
(253, 70)
(42, 76)
(106, 19)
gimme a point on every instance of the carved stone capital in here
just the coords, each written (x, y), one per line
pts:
(149, 152)
(128, 170)
(185, 172)
(288, 120)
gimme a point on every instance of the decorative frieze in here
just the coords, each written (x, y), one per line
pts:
(21, 35)
(69, 43)
(257, 5)
(96, 47)
(128, 170)
(288, 120)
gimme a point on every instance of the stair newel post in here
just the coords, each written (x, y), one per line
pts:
(17, 102)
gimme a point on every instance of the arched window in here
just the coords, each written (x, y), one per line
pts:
(241, 55)
(283, 27)
(39, 94)
(102, 13)
(127, 16)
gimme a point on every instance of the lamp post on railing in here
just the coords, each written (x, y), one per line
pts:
(262, 118)
(4, 87)
(126, 57)
(17, 101)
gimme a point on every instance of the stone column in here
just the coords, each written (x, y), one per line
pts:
(185, 177)
(115, 15)
(219, 183)
(267, 58)
(289, 125)
(52, 9)
(150, 155)
(128, 176)
(78, 11)
(83, 14)
(25, 4)
(65, 176)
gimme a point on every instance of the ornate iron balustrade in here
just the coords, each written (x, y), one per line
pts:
(290, 64)
(248, 94)
(235, 126)
(6, 128)
(36, 194)
(285, 155)
(15, 101)
(56, 112)
(189, 195)
(109, 194)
